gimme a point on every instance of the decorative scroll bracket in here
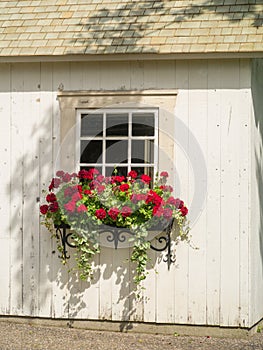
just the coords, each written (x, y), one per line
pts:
(116, 235)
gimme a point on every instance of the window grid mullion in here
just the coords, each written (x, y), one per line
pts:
(129, 138)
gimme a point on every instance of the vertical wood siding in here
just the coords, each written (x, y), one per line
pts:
(209, 285)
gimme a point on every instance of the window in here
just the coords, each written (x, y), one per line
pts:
(126, 139)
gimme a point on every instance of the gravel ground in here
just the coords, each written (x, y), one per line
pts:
(26, 337)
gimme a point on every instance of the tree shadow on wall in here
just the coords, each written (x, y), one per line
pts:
(140, 26)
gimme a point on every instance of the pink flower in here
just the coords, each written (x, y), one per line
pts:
(126, 211)
(100, 214)
(113, 213)
(184, 211)
(179, 204)
(167, 213)
(166, 188)
(146, 179)
(100, 178)
(66, 177)
(164, 174)
(135, 198)
(124, 187)
(100, 188)
(133, 174)
(43, 209)
(94, 171)
(76, 197)
(157, 211)
(172, 201)
(60, 173)
(82, 208)
(55, 182)
(70, 206)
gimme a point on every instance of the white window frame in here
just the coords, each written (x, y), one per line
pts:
(129, 111)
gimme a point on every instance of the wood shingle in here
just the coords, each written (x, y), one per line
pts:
(149, 26)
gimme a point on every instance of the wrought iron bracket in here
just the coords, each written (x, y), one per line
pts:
(117, 235)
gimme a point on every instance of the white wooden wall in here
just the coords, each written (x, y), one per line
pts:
(211, 285)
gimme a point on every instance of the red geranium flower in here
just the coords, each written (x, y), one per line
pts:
(133, 174)
(43, 209)
(88, 192)
(53, 207)
(184, 211)
(146, 179)
(124, 187)
(153, 197)
(51, 197)
(85, 174)
(100, 214)
(117, 178)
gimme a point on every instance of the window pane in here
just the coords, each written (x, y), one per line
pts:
(117, 125)
(116, 151)
(122, 171)
(90, 151)
(142, 151)
(91, 125)
(143, 124)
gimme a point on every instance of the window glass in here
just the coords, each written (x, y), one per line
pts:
(143, 124)
(116, 151)
(117, 125)
(91, 125)
(90, 151)
(142, 151)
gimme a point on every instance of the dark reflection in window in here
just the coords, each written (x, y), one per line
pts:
(116, 151)
(91, 125)
(90, 151)
(117, 125)
(143, 124)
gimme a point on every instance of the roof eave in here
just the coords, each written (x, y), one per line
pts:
(131, 56)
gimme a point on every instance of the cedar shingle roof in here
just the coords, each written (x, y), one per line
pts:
(62, 27)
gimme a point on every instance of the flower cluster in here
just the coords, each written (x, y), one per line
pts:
(116, 200)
